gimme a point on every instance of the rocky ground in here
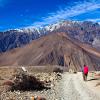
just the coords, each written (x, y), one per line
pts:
(50, 79)
(63, 86)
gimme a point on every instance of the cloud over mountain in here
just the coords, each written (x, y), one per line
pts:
(67, 12)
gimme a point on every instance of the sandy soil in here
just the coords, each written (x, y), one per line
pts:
(74, 88)
(94, 82)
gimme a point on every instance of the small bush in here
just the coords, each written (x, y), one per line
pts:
(27, 82)
(58, 70)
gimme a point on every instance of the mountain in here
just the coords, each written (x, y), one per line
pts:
(54, 49)
(86, 32)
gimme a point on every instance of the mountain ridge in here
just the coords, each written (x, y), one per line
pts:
(87, 32)
(54, 49)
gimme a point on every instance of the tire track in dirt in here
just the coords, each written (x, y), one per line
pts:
(72, 88)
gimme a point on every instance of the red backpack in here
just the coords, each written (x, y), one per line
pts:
(86, 70)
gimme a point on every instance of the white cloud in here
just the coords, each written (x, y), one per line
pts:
(71, 11)
(94, 20)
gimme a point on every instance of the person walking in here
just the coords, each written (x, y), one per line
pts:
(85, 72)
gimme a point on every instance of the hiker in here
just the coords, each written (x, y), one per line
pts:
(85, 72)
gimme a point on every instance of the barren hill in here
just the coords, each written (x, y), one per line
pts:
(53, 49)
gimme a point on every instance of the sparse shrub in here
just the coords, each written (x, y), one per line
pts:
(75, 72)
(27, 82)
(57, 70)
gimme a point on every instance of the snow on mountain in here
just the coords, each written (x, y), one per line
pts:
(84, 31)
(96, 42)
(49, 28)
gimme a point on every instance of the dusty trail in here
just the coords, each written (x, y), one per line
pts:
(72, 87)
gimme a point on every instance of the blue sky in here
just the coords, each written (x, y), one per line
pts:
(27, 13)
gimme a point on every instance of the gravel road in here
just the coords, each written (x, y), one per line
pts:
(71, 87)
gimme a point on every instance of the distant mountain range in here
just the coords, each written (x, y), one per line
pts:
(56, 48)
(86, 32)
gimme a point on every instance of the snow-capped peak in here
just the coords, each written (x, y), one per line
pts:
(48, 28)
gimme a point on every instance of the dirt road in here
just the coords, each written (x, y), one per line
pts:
(72, 87)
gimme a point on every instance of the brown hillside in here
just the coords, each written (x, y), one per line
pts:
(53, 49)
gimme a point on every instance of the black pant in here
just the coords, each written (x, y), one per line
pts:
(85, 76)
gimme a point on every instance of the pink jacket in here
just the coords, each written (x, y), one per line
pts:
(86, 70)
